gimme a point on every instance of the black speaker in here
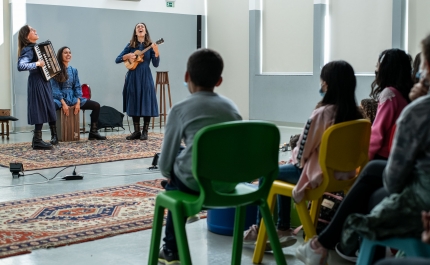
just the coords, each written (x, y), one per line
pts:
(16, 168)
(199, 31)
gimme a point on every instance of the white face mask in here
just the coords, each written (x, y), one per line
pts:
(186, 84)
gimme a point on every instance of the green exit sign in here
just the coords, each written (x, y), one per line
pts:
(170, 4)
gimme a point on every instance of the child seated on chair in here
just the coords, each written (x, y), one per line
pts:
(202, 108)
(338, 105)
(403, 180)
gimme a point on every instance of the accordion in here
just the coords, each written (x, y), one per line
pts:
(46, 53)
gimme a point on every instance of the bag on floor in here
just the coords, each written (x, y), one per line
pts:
(110, 118)
(329, 206)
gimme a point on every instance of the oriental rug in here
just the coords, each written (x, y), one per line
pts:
(81, 152)
(76, 217)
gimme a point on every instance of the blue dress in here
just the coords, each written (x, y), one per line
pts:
(69, 91)
(40, 103)
(139, 98)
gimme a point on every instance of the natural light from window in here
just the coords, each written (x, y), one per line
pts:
(19, 15)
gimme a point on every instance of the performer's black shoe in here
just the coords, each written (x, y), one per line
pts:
(144, 135)
(38, 143)
(136, 134)
(94, 133)
(54, 137)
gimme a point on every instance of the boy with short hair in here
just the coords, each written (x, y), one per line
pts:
(202, 108)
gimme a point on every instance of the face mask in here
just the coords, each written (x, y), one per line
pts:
(186, 84)
(322, 93)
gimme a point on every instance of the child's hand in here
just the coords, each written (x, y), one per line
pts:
(425, 237)
(282, 162)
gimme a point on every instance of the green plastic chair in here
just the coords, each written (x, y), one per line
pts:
(225, 156)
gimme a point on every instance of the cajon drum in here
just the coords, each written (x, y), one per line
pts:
(68, 127)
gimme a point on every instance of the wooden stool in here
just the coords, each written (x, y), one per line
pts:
(5, 118)
(162, 79)
(68, 127)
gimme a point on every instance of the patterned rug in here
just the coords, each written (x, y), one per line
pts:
(76, 217)
(80, 152)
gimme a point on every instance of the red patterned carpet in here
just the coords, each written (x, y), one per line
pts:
(76, 217)
(80, 152)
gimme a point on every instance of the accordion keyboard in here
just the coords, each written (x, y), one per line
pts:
(46, 53)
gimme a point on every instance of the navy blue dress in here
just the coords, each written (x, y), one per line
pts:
(139, 98)
(40, 102)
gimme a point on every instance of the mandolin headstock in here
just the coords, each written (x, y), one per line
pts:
(160, 41)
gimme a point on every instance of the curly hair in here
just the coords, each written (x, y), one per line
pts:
(394, 71)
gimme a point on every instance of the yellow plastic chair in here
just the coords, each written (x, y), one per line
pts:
(344, 147)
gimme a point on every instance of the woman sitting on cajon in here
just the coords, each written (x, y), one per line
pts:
(67, 92)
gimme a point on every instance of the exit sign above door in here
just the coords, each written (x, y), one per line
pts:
(170, 4)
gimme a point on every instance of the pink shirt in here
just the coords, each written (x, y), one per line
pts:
(306, 152)
(390, 105)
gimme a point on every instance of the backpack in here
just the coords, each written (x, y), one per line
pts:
(110, 118)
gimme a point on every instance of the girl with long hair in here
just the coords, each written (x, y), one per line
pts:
(40, 104)
(139, 98)
(391, 88)
(67, 92)
(338, 105)
(388, 197)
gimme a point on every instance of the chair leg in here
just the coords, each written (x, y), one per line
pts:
(262, 235)
(181, 236)
(315, 210)
(156, 235)
(273, 236)
(305, 219)
(239, 223)
(367, 251)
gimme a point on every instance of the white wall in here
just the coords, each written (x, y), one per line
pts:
(360, 31)
(190, 7)
(228, 34)
(5, 56)
(287, 28)
(418, 24)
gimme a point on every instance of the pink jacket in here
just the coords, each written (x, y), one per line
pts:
(390, 105)
(305, 155)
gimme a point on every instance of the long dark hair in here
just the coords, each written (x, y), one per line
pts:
(394, 71)
(416, 67)
(341, 82)
(134, 41)
(62, 76)
(23, 38)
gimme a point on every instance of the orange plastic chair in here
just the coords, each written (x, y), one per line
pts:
(344, 147)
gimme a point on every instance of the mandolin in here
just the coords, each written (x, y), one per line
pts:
(131, 65)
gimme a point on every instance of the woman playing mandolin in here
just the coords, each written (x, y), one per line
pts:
(139, 98)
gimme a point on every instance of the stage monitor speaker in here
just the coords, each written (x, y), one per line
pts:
(15, 169)
(199, 31)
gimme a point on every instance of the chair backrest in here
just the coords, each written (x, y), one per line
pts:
(86, 91)
(344, 148)
(229, 153)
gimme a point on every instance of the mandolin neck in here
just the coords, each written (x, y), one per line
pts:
(143, 51)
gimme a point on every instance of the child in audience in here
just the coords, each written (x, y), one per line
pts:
(202, 108)
(338, 105)
(405, 178)
(391, 88)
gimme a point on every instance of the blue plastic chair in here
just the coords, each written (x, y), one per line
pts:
(413, 247)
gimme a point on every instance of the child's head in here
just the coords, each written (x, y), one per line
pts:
(339, 79)
(369, 107)
(393, 70)
(204, 70)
